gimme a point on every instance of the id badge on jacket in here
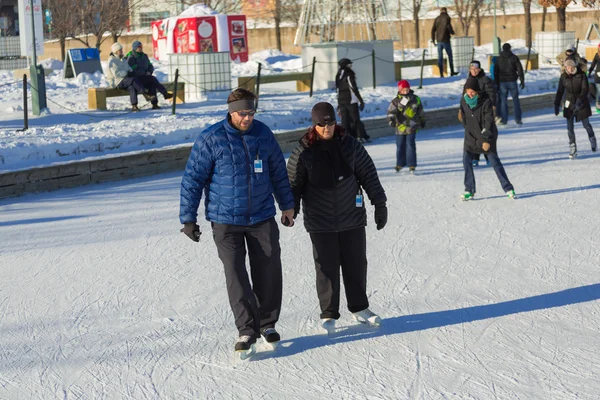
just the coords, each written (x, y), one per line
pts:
(359, 201)
(258, 166)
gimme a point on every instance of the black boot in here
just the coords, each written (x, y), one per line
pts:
(155, 107)
(134, 108)
(167, 95)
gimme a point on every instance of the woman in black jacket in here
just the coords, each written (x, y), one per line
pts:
(481, 134)
(328, 172)
(574, 83)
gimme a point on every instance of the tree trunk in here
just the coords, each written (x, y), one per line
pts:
(527, 7)
(115, 37)
(278, 33)
(63, 51)
(544, 19)
(417, 33)
(561, 23)
(478, 27)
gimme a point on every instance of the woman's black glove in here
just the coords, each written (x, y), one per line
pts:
(381, 214)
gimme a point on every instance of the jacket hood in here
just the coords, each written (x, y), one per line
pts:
(230, 129)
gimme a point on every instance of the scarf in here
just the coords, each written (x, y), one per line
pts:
(471, 101)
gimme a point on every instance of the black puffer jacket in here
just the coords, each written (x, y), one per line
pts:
(576, 88)
(485, 85)
(508, 68)
(345, 82)
(442, 28)
(479, 125)
(333, 208)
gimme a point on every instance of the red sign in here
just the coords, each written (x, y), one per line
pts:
(196, 35)
(238, 37)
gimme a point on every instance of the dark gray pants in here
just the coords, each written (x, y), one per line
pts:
(347, 249)
(255, 305)
(351, 121)
(133, 86)
(496, 164)
(571, 128)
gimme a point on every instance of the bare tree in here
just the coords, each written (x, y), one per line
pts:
(64, 21)
(561, 11)
(466, 10)
(415, 8)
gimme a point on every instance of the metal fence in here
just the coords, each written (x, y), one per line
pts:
(10, 46)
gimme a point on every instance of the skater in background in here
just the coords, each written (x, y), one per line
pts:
(486, 86)
(440, 36)
(571, 53)
(350, 102)
(240, 166)
(480, 137)
(406, 115)
(328, 172)
(573, 84)
(507, 70)
(142, 69)
(596, 77)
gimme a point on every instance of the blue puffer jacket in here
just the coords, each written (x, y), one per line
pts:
(222, 164)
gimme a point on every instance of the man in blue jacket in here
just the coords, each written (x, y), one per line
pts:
(239, 165)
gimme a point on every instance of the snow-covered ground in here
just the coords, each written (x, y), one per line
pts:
(101, 297)
(69, 131)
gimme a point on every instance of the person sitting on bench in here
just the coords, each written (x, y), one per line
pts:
(118, 75)
(142, 69)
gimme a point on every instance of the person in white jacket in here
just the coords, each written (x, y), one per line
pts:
(119, 75)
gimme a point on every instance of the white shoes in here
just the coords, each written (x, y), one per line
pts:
(328, 325)
(367, 316)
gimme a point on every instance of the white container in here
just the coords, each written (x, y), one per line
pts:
(202, 73)
(551, 44)
(328, 54)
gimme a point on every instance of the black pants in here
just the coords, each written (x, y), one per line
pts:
(133, 86)
(351, 120)
(347, 249)
(255, 305)
(571, 128)
(153, 86)
(496, 164)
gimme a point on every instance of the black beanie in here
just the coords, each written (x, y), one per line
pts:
(344, 62)
(472, 83)
(506, 47)
(322, 113)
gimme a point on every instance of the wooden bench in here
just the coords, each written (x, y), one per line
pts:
(533, 61)
(398, 65)
(302, 80)
(97, 96)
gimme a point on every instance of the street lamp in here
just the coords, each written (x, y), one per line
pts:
(496, 39)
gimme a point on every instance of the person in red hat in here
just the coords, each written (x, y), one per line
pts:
(596, 77)
(406, 115)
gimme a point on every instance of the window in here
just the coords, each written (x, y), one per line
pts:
(147, 17)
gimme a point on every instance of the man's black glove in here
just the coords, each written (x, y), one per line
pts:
(381, 215)
(422, 124)
(556, 109)
(522, 85)
(191, 230)
(361, 106)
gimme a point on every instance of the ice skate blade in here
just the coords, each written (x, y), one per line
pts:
(374, 322)
(328, 327)
(245, 354)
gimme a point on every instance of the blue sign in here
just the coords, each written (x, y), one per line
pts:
(81, 55)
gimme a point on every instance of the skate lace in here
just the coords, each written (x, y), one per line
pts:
(244, 339)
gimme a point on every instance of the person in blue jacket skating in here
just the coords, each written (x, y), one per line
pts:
(239, 166)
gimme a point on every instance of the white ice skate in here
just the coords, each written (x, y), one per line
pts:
(367, 316)
(328, 325)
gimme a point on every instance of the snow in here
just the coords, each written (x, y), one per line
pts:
(102, 297)
(198, 10)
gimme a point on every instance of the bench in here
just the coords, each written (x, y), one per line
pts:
(398, 65)
(302, 80)
(97, 96)
(533, 61)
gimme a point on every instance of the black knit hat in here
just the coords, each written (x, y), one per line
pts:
(473, 84)
(344, 62)
(322, 113)
(506, 47)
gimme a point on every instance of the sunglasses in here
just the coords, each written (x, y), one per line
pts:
(246, 114)
(330, 123)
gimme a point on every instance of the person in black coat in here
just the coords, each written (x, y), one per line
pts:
(596, 77)
(142, 69)
(507, 70)
(350, 102)
(328, 172)
(573, 84)
(485, 85)
(481, 135)
(440, 35)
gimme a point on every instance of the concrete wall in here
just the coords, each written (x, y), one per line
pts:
(158, 161)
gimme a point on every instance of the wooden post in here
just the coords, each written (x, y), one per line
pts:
(527, 61)
(373, 62)
(312, 76)
(422, 66)
(175, 91)
(258, 84)
(25, 111)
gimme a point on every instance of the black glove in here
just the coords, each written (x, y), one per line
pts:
(361, 106)
(392, 122)
(522, 85)
(191, 230)
(381, 215)
(433, 41)
(556, 109)
(400, 118)
(422, 124)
